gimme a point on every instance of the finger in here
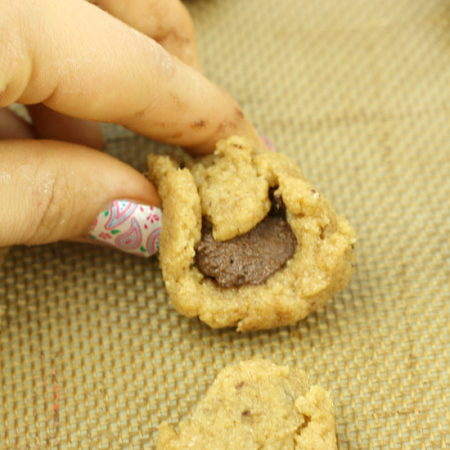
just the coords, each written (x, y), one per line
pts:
(54, 191)
(14, 127)
(50, 124)
(105, 71)
(166, 21)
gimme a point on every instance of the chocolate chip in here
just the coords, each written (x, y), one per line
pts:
(252, 257)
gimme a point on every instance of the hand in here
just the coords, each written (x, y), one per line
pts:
(133, 63)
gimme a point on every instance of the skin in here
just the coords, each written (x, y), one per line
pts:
(75, 63)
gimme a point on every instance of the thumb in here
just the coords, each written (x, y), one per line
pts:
(57, 191)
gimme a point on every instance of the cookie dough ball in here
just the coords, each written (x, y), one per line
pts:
(215, 205)
(257, 405)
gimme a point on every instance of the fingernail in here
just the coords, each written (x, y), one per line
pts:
(267, 141)
(129, 227)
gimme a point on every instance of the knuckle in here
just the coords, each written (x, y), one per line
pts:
(54, 205)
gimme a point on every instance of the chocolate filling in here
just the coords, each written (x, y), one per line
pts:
(252, 257)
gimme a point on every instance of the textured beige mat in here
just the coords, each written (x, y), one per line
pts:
(92, 355)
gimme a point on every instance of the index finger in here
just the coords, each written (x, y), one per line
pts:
(80, 61)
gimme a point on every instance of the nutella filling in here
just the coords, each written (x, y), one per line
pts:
(250, 258)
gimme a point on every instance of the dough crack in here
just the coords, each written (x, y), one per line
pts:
(307, 420)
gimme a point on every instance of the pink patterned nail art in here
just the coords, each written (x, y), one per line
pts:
(130, 227)
(267, 141)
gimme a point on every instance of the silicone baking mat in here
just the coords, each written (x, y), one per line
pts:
(92, 354)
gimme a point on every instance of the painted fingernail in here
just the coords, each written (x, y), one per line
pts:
(267, 141)
(130, 227)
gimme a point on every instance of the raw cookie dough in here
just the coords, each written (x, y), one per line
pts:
(231, 189)
(257, 405)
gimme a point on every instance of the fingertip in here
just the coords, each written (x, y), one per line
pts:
(13, 126)
(243, 128)
(67, 187)
(50, 124)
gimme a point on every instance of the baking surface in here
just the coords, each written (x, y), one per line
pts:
(92, 354)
